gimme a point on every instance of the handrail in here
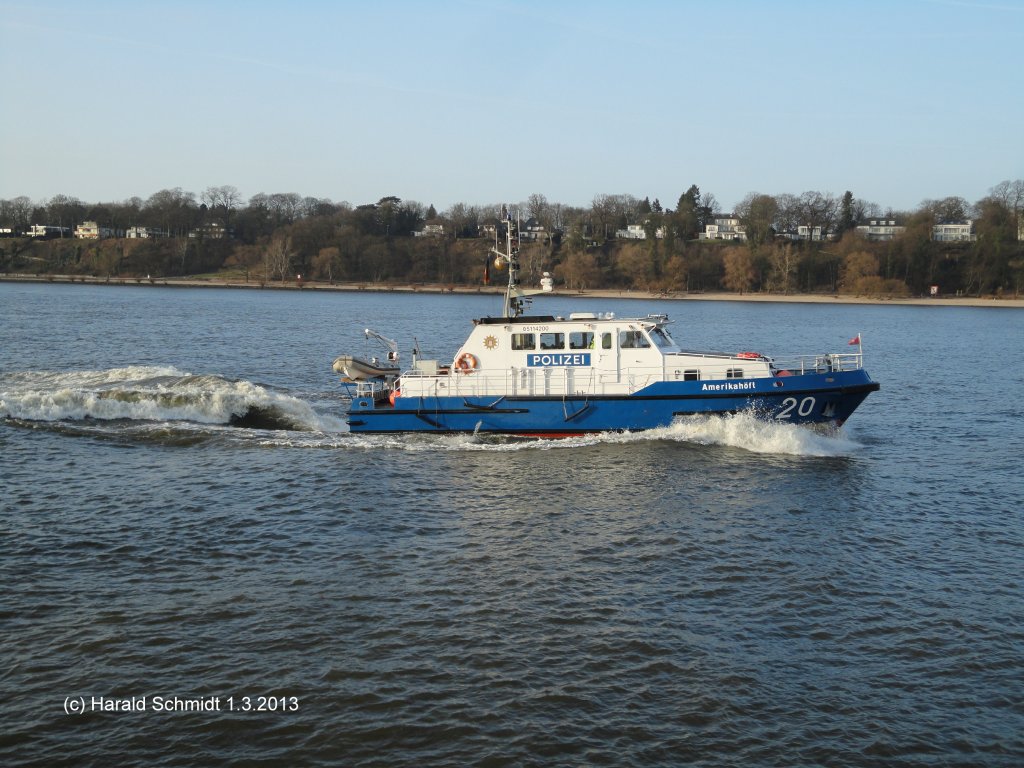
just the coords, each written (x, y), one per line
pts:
(569, 381)
(824, 363)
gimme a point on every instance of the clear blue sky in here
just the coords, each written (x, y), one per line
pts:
(493, 100)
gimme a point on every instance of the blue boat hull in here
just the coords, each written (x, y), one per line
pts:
(800, 399)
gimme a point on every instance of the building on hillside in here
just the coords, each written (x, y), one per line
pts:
(638, 232)
(431, 229)
(145, 232)
(90, 230)
(44, 231)
(954, 232)
(723, 227)
(880, 229)
(211, 230)
(805, 232)
(533, 230)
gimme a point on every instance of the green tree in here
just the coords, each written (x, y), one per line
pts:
(847, 219)
(688, 213)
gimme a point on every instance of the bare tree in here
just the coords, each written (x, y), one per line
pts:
(16, 212)
(947, 210)
(181, 246)
(1010, 194)
(464, 219)
(226, 197)
(814, 210)
(326, 260)
(285, 207)
(579, 271)
(758, 214)
(739, 269)
(64, 211)
(172, 210)
(537, 207)
(278, 257)
(783, 267)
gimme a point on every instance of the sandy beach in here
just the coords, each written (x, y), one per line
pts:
(309, 285)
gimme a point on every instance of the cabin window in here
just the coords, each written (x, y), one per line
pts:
(581, 340)
(692, 375)
(661, 338)
(524, 341)
(606, 341)
(552, 341)
(633, 340)
(734, 373)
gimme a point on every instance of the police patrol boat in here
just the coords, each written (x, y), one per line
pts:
(542, 375)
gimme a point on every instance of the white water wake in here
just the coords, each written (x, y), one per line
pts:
(741, 431)
(744, 430)
(154, 394)
(161, 394)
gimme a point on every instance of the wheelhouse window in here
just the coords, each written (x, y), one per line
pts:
(734, 373)
(661, 338)
(691, 375)
(581, 340)
(552, 341)
(524, 341)
(633, 340)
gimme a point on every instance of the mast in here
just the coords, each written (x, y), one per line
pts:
(515, 300)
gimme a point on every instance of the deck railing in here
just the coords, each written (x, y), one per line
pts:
(825, 363)
(576, 382)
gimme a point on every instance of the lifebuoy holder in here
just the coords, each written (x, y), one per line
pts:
(466, 363)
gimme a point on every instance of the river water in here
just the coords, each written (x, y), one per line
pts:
(280, 592)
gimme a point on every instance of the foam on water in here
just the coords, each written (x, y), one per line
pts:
(743, 431)
(161, 394)
(152, 394)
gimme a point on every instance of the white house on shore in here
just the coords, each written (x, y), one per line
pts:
(90, 230)
(44, 231)
(431, 229)
(723, 227)
(954, 232)
(145, 232)
(880, 229)
(637, 232)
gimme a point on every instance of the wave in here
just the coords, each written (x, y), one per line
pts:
(742, 431)
(746, 431)
(153, 394)
(161, 394)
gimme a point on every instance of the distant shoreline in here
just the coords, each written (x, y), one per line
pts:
(367, 287)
